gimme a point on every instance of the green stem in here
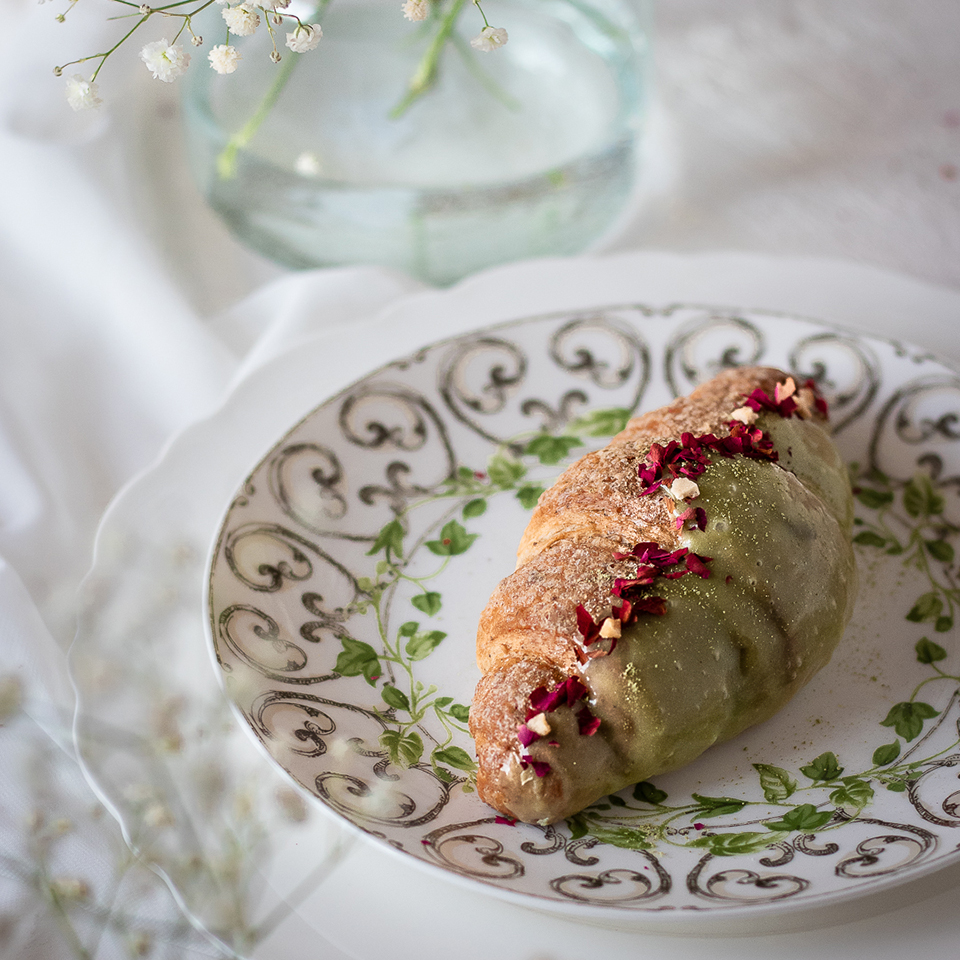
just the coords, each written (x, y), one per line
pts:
(940, 676)
(227, 160)
(482, 77)
(425, 75)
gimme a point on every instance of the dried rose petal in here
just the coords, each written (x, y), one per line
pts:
(819, 403)
(575, 690)
(698, 565)
(566, 692)
(626, 583)
(695, 516)
(525, 735)
(587, 722)
(507, 821)
(540, 768)
(655, 605)
(588, 627)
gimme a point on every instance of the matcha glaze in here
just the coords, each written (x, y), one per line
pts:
(731, 649)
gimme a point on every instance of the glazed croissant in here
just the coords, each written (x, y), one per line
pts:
(672, 589)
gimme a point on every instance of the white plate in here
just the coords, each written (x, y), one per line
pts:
(199, 803)
(355, 672)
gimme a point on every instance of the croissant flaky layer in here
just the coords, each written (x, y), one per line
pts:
(667, 596)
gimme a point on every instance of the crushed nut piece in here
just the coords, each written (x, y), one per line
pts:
(804, 400)
(526, 775)
(783, 390)
(610, 629)
(539, 724)
(684, 489)
(745, 415)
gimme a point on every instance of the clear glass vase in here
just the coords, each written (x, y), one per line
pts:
(529, 150)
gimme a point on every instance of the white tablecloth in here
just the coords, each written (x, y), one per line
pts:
(126, 312)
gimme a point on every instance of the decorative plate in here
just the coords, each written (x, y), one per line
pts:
(350, 570)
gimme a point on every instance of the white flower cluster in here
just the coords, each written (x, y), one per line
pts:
(416, 9)
(304, 38)
(224, 58)
(82, 94)
(242, 20)
(167, 60)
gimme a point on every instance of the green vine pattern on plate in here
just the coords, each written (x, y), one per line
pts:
(904, 519)
(895, 518)
(469, 491)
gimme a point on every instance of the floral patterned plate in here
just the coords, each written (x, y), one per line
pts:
(351, 567)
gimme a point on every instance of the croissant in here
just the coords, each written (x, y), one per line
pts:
(671, 590)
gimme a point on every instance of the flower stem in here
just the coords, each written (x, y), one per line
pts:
(227, 159)
(425, 75)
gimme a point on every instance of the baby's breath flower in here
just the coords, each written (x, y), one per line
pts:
(280, 4)
(291, 805)
(11, 697)
(69, 888)
(197, 40)
(489, 38)
(308, 164)
(158, 815)
(166, 61)
(141, 943)
(82, 94)
(304, 38)
(224, 58)
(242, 20)
(416, 9)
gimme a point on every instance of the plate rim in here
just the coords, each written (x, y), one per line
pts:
(591, 912)
(240, 393)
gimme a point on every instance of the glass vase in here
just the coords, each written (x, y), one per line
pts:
(327, 159)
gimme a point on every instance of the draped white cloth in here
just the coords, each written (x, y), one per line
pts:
(794, 127)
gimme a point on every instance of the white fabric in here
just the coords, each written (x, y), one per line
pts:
(126, 311)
